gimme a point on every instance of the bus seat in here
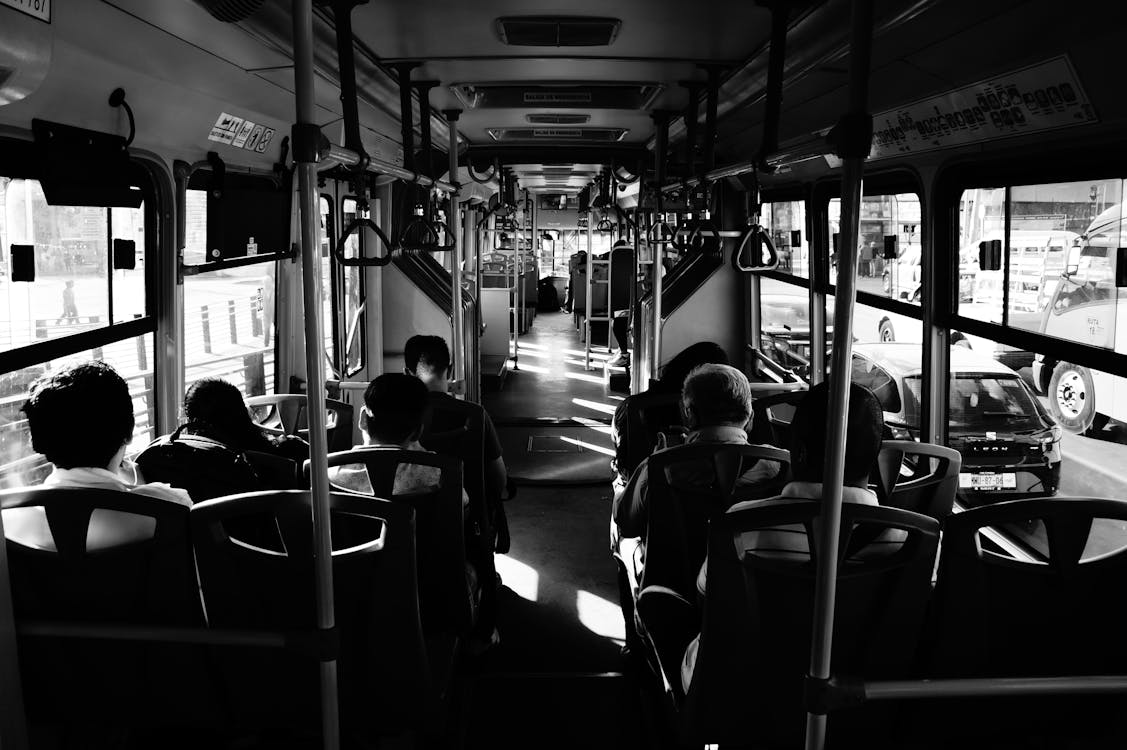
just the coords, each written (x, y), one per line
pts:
(754, 649)
(447, 600)
(385, 675)
(621, 277)
(771, 417)
(647, 415)
(149, 581)
(1058, 612)
(688, 486)
(284, 414)
(919, 477)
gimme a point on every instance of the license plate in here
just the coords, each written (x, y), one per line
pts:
(988, 481)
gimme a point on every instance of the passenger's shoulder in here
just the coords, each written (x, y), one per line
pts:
(164, 491)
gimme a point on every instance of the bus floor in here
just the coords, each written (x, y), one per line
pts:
(557, 677)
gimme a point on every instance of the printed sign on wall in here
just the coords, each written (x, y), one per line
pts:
(1041, 97)
(40, 9)
(241, 133)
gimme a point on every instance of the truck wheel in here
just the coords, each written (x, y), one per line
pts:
(1072, 398)
(885, 331)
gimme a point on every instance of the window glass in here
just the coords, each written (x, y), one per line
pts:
(129, 284)
(70, 293)
(1028, 425)
(229, 328)
(328, 238)
(786, 221)
(1060, 255)
(133, 360)
(354, 292)
(884, 217)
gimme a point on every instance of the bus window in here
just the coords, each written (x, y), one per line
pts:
(229, 314)
(133, 360)
(128, 284)
(328, 286)
(884, 216)
(354, 294)
(70, 293)
(786, 221)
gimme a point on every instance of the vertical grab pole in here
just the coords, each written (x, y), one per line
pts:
(454, 228)
(591, 296)
(661, 124)
(305, 138)
(852, 142)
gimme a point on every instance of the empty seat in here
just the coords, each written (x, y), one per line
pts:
(919, 477)
(148, 579)
(447, 599)
(756, 622)
(386, 676)
(1052, 608)
(284, 414)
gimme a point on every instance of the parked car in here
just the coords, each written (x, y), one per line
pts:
(1010, 444)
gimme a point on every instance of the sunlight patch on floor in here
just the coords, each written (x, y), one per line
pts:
(600, 427)
(521, 578)
(535, 353)
(588, 446)
(594, 355)
(597, 379)
(600, 616)
(524, 345)
(595, 405)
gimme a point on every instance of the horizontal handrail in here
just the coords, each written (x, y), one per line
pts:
(337, 155)
(993, 687)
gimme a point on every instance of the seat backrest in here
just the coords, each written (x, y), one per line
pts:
(647, 415)
(457, 429)
(382, 664)
(688, 486)
(206, 468)
(444, 599)
(1057, 610)
(146, 578)
(754, 649)
(621, 277)
(919, 477)
(771, 416)
(284, 414)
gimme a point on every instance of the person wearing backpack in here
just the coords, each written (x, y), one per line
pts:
(219, 450)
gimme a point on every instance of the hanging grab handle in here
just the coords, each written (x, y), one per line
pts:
(757, 237)
(667, 233)
(421, 235)
(604, 225)
(705, 237)
(357, 225)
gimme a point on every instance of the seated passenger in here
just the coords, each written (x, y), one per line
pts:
(81, 420)
(672, 381)
(219, 450)
(428, 359)
(716, 408)
(864, 427)
(395, 409)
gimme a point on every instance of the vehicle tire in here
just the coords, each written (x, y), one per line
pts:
(1072, 398)
(886, 332)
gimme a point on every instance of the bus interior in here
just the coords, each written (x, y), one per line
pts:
(280, 194)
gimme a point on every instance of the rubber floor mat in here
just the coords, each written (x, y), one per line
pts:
(558, 454)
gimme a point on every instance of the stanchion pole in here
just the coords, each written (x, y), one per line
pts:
(305, 139)
(851, 145)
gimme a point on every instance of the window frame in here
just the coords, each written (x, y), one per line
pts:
(362, 329)
(1058, 166)
(21, 162)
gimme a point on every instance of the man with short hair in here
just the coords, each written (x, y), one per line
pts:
(395, 410)
(81, 420)
(428, 359)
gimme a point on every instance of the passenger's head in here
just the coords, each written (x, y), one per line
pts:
(81, 417)
(428, 359)
(395, 409)
(864, 424)
(716, 396)
(701, 353)
(215, 409)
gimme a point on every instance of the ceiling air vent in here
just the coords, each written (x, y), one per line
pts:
(557, 31)
(572, 95)
(558, 119)
(587, 135)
